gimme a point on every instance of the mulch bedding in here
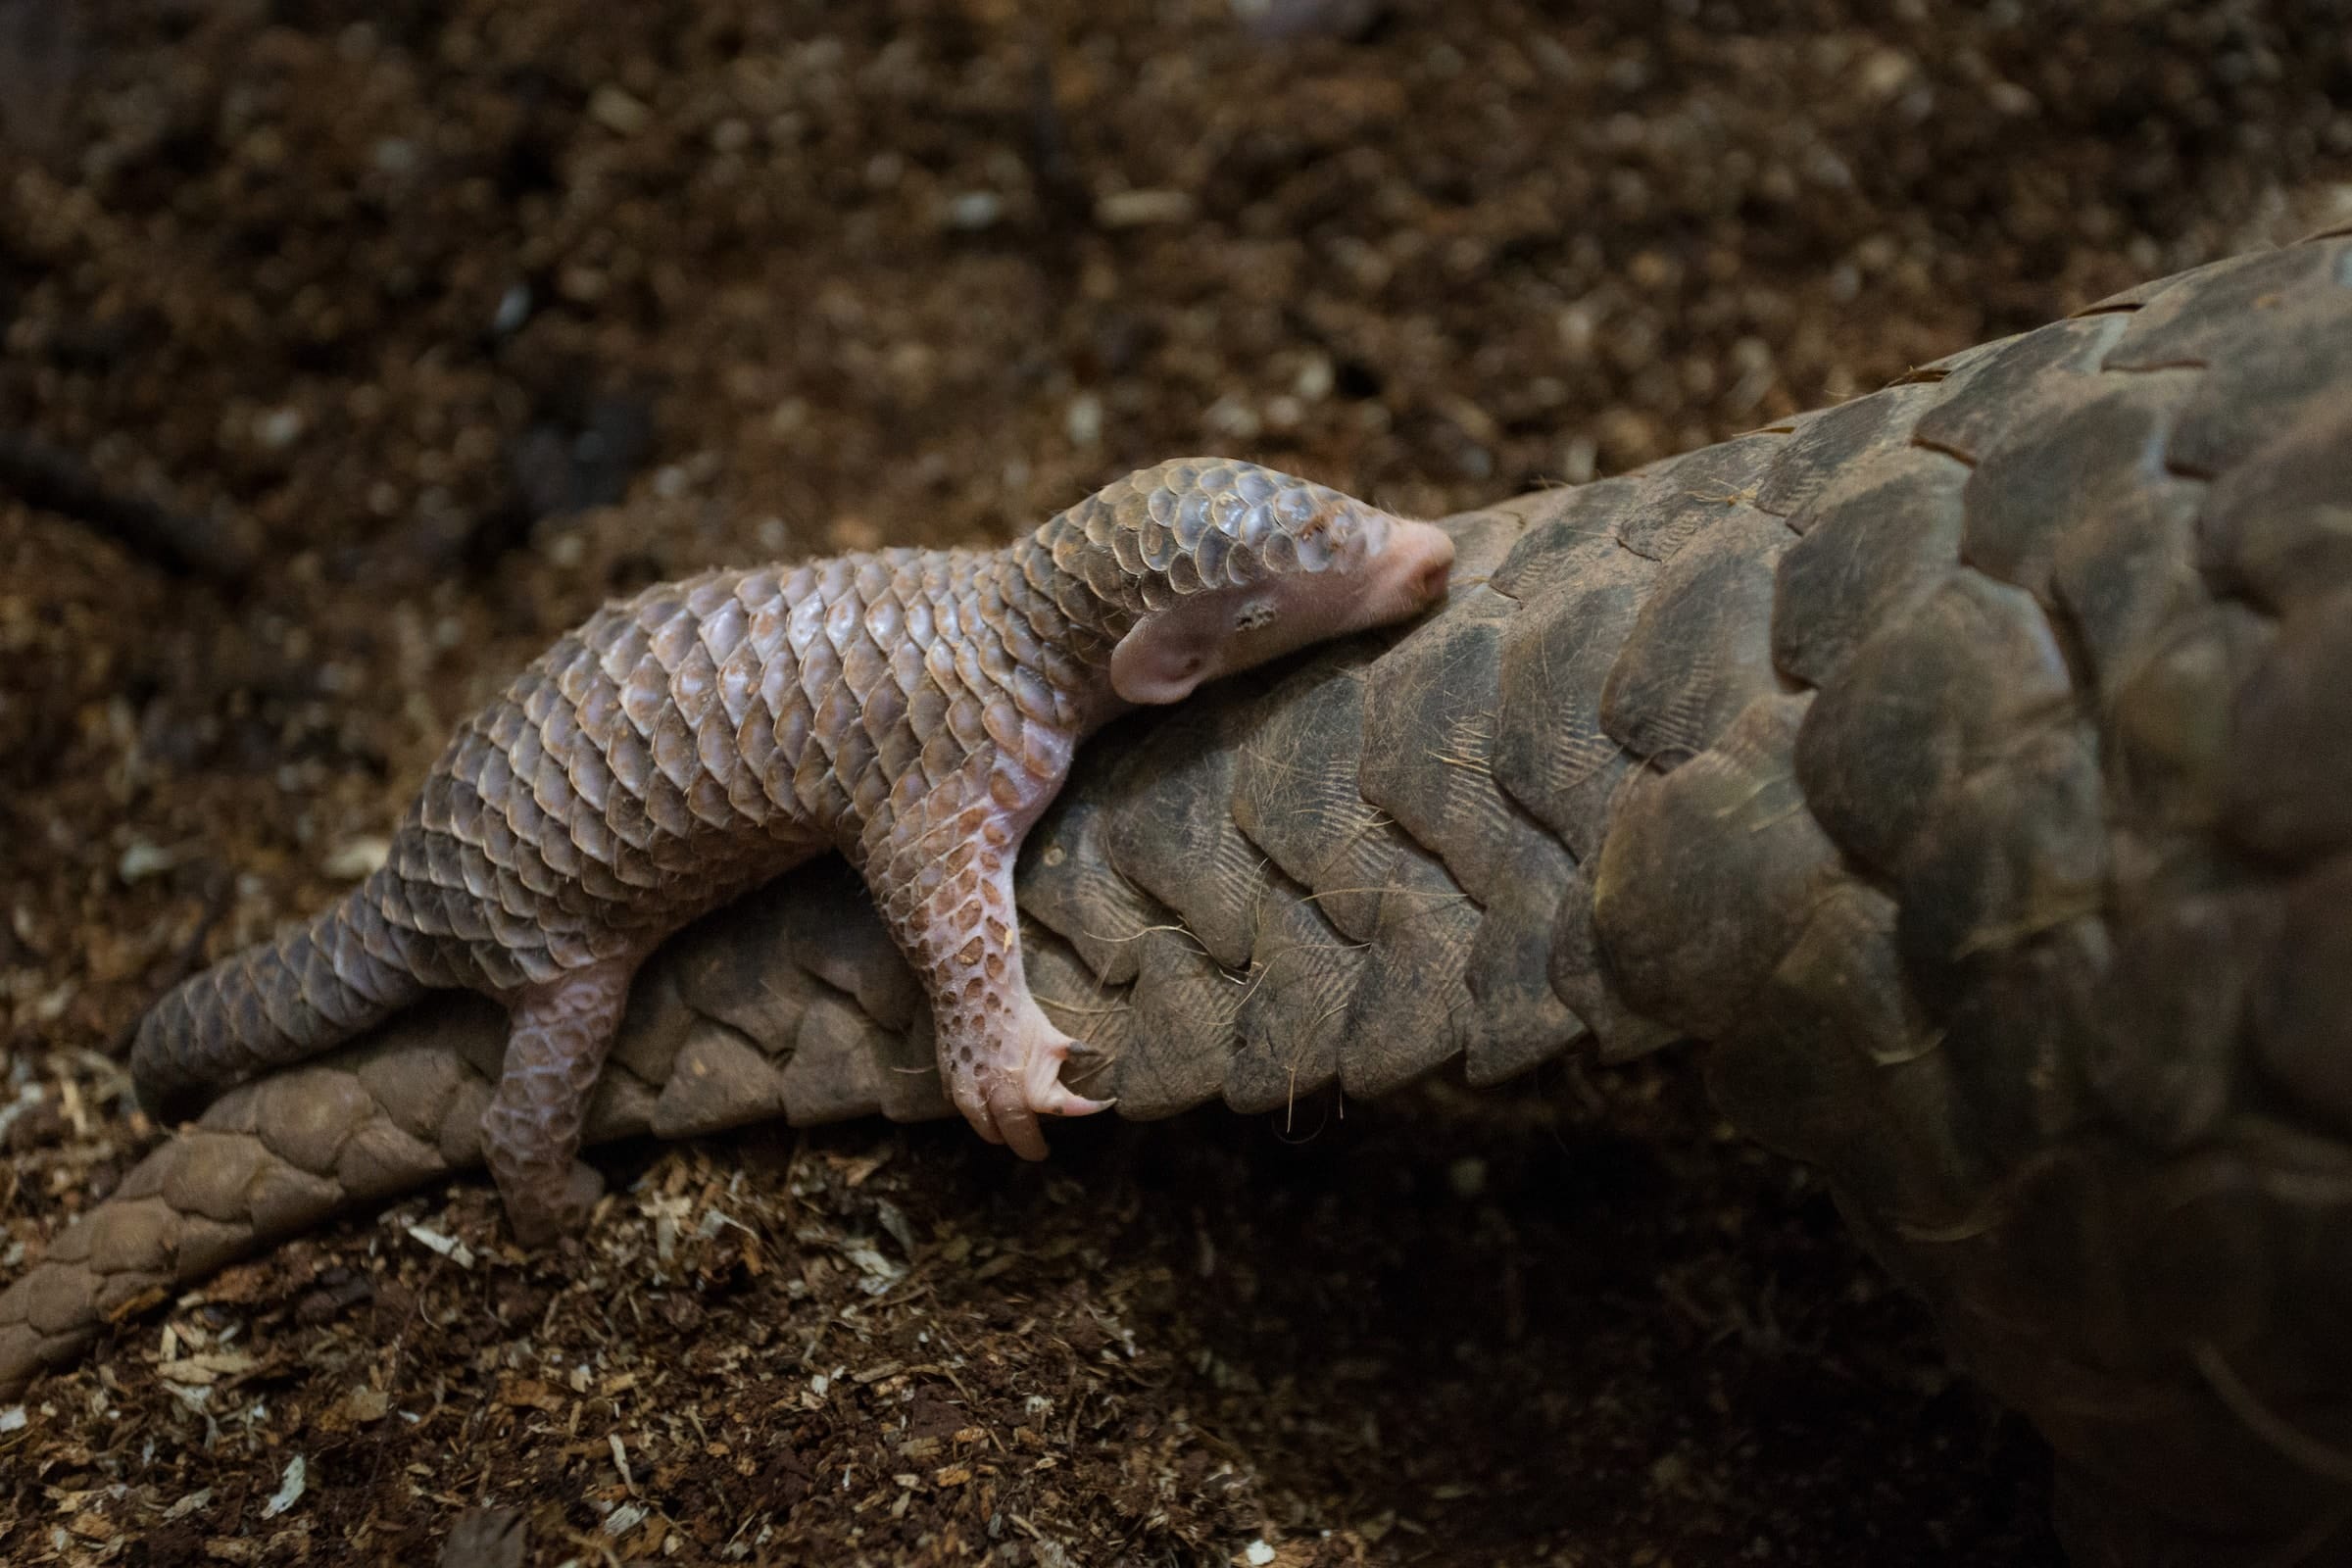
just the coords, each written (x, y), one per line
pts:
(347, 353)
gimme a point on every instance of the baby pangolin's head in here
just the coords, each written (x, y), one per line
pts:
(1214, 566)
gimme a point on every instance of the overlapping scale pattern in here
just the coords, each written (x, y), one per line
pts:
(1197, 523)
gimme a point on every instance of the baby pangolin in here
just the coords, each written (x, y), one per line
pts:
(915, 710)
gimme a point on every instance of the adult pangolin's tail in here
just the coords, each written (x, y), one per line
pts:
(282, 1002)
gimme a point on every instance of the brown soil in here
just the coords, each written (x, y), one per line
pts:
(347, 352)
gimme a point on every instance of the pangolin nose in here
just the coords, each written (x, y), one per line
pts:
(1431, 562)
(1430, 586)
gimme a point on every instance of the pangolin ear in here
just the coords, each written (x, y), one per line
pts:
(1163, 658)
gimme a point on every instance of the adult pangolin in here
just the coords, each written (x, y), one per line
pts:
(915, 710)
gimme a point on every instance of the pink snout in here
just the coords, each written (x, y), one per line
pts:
(1415, 568)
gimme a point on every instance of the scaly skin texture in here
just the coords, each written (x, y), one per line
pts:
(915, 710)
(1970, 765)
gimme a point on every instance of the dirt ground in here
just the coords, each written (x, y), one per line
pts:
(348, 352)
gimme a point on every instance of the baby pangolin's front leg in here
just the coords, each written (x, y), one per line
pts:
(941, 874)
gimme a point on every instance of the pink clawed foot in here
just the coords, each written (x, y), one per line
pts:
(1015, 1081)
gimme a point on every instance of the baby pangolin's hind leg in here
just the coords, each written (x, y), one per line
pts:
(531, 1132)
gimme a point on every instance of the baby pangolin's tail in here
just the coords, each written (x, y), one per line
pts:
(282, 1002)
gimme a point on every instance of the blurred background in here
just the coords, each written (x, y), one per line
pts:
(349, 351)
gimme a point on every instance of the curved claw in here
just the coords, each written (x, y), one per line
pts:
(1041, 1078)
(1011, 1082)
(1060, 1102)
(1015, 1122)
